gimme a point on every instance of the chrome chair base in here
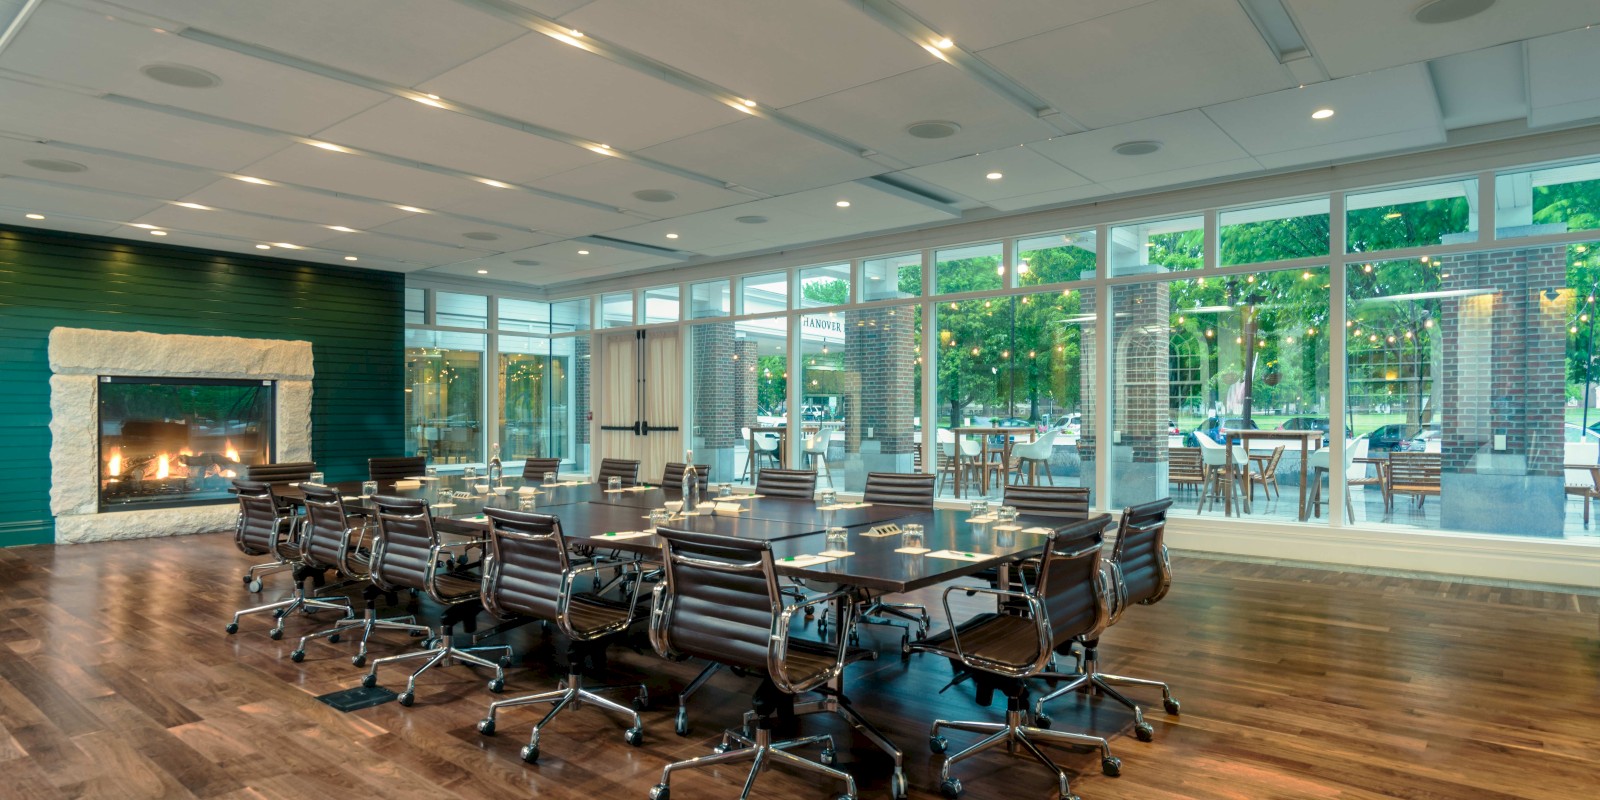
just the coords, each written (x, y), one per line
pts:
(760, 750)
(368, 623)
(572, 694)
(1012, 732)
(298, 601)
(252, 576)
(446, 651)
(878, 612)
(681, 726)
(1102, 683)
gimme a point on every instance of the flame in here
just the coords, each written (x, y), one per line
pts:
(185, 452)
(229, 453)
(114, 466)
(162, 468)
(228, 473)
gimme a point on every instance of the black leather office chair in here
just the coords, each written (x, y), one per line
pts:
(719, 600)
(267, 527)
(800, 484)
(622, 468)
(408, 554)
(913, 489)
(394, 468)
(280, 473)
(672, 478)
(528, 574)
(533, 469)
(1140, 573)
(333, 540)
(1002, 651)
(1071, 502)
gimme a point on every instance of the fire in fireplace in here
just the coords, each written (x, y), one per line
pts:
(179, 441)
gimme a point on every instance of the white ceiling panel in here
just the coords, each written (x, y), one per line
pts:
(1183, 175)
(69, 117)
(1187, 139)
(551, 8)
(1561, 80)
(614, 181)
(1153, 59)
(1052, 197)
(1352, 149)
(764, 157)
(1366, 107)
(286, 201)
(1482, 86)
(103, 172)
(367, 177)
(558, 262)
(523, 210)
(979, 25)
(540, 80)
(11, 216)
(411, 130)
(452, 231)
(106, 55)
(1023, 172)
(364, 244)
(47, 199)
(404, 41)
(876, 115)
(229, 223)
(1353, 36)
(777, 52)
(713, 232)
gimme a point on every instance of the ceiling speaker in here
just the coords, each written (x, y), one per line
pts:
(656, 195)
(180, 75)
(1139, 148)
(1438, 12)
(481, 236)
(933, 129)
(55, 165)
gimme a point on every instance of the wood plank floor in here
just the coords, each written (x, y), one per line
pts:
(116, 680)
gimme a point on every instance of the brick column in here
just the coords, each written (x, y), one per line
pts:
(714, 428)
(1141, 397)
(581, 366)
(880, 357)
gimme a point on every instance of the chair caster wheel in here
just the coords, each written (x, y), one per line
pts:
(898, 788)
(486, 727)
(1144, 732)
(333, 639)
(905, 646)
(369, 680)
(722, 748)
(938, 744)
(233, 627)
(530, 753)
(1111, 766)
(297, 656)
(359, 660)
(659, 792)
(634, 736)
(1042, 721)
(950, 787)
(275, 634)
(641, 701)
(1171, 705)
(497, 685)
(254, 584)
(506, 660)
(828, 757)
(681, 727)
(279, 614)
(406, 699)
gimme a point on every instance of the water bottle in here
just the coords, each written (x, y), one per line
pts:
(691, 489)
(495, 470)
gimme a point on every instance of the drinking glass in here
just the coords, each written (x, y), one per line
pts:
(658, 517)
(724, 490)
(369, 488)
(1007, 513)
(526, 503)
(828, 497)
(432, 472)
(316, 478)
(549, 477)
(469, 474)
(911, 535)
(838, 539)
(613, 482)
(980, 508)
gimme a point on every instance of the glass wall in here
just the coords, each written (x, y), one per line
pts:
(1158, 246)
(660, 305)
(616, 310)
(1412, 216)
(825, 286)
(739, 376)
(972, 268)
(861, 378)
(1057, 258)
(444, 396)
(709, 299)
(892, 277)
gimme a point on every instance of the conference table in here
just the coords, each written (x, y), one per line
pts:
(794, 529)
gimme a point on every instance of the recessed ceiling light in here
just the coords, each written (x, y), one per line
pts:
(994, 176)
(413, 209)
(496, 184)
(655, 195)
(1139, 148)
(483, 272)
(351, 258)
(287, 246)
(750, 103)
(751, 219)
(248, 179)
(1322, 113)
(428, 100)
(944, 44)
(35, 216)
(158, 233)
(672, 236)
(933, 129)
(144, 225)
(602, 149)
(195, 206)
(340, 228)
(180, 75)
(329, 146)
(481, 236)
(55, 165)
(1438, 12)
(575, 33)
(263, 247)
(843, 204)
(583, 252)
(526, 262)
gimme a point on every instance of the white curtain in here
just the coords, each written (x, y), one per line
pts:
(618, 400)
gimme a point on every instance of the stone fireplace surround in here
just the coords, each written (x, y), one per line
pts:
(79, 356)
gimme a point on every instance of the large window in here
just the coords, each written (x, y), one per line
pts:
(1158, 246)
(1552, 200)
(892, 277)
(444, 396)
(661, 305)
(709, 299)
(739, 372)
(825, 286)
(1057, 258)
(968, 269)
(860, 386)
(1274, 233)
(1412, 216)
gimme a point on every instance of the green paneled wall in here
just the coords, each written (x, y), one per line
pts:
(353, 318)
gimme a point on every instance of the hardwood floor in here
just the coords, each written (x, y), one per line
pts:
(116, 680)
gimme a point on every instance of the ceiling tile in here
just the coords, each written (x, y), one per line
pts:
(363, 244)
(415, 131)
(79, 119)
(1153, 59)
(1365, 107)
(524, 210)
(1482, 86)
(39, 197)
(877, 114)
(1050, 198)
(593, 97)
(614, 181)
(452, 231)
(1352, 149)
(14, 217)
(1187, 139)
(558, 262)
(764, 157)
(778, 52)
(1354, 36)
(976, 26)
(1183, 175)
(366, 177)
(228, 223)
(1561, 78)
(94, 51)
(103, 171)
(1023, 172)
(404, 41)
(287, 201)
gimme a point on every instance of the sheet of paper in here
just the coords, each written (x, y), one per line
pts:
(803, 561)
(880, 534)
(1008, 527)
(983, 520)
(1038, 530)
(624, 534)
(915, 551)
(838, 553)
(957, 555)
(730, 508)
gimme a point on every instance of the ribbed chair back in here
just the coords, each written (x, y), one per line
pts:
(325, 539)
(1055, 501)
(912, 489)
(672, 478)
(393, 468)
(1140, 552)
(796, 483)
(623, 468)
(533, 469)
(722, 596)
(528, 558)
(258, 518)
(403, 551)
(1070, 582)
(280, 473)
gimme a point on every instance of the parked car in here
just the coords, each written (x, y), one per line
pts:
(1386, 438)
(1213, 428)
(1420, 442)
(1306, 424)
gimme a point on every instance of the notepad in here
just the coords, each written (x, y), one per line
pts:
(915, 551)
(842, 506)
(956, 555)
(838, 553)
(983, 520)
(437, 506)
(803, 561)
(625, 534)
(423, 478)
(350, 499)
(742, 497)
(1038, 530)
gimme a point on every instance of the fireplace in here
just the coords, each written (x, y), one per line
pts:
(168, 442)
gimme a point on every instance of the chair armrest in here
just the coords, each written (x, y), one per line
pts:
(658, 623)
(778, 644)
(1035, 612)
(564, 603)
